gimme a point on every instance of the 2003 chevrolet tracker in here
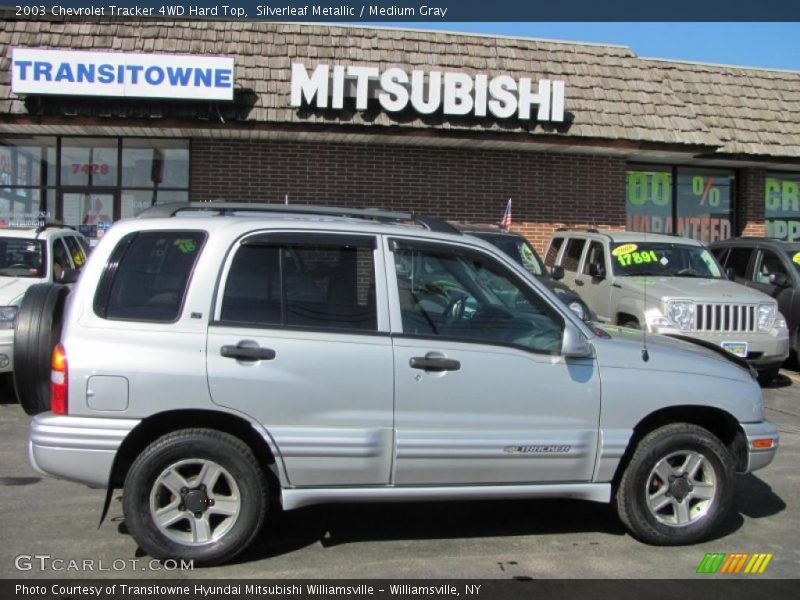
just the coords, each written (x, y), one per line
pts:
(217, 356)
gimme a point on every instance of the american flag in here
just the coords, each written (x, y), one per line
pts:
(506, 222)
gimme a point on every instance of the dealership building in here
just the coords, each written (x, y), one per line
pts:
(101, 119)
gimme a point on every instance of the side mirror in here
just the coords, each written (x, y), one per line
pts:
(557, 272)
(597, 271)
(573, 344)
(69, 276)
(730, 273)
(779, 279)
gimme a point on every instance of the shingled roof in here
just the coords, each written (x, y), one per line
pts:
(613, 95)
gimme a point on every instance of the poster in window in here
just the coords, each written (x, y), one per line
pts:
(649, 200)
(782, 206)
(705, 204)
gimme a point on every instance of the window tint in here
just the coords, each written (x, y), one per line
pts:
(552, 251)
(147, 276)
(595, 256)
(738, 259)
(768, 264)
(468, 296)
(572, 255)
(61, 259)
(22, 258)
(324, 285)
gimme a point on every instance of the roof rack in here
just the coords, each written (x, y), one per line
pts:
(230, 208)
(585, 230)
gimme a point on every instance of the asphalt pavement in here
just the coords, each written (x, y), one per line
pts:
(42, 517)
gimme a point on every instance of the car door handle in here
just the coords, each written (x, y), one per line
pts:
(434, 363)
(579, 282)
(247, 352)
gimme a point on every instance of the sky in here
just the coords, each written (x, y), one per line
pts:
(767, 45)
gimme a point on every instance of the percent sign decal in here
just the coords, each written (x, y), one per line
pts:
(707, 191)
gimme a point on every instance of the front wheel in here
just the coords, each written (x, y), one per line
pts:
(195, 494)
(678, 487)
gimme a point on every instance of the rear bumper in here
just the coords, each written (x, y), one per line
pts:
(80, 449)
(6, 350)
(758, 458)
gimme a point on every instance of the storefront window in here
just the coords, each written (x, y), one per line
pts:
(782, 206)
(701, 207)
(705, 204)
(649, 199)
(27, 167)
(89, 161)
(149, 163)
(135, 201)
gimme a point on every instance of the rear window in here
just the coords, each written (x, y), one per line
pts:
(147, 276)
(22, 258)
(552, 251)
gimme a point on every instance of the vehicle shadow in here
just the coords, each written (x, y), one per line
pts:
(7, 393)
(337, 524)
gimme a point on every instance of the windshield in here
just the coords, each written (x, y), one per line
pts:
(519, 249)
(21, 257)
(664, 260)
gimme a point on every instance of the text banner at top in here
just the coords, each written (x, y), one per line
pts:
(419, 11)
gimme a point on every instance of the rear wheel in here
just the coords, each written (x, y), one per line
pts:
(766, 376)
(195, 494)
(678, 487)
(37, 330)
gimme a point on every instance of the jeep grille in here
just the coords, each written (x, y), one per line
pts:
(726, 317)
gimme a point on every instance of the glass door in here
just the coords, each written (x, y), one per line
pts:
(89, 211)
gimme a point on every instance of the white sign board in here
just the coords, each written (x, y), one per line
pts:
(454, 93)
(35, 71)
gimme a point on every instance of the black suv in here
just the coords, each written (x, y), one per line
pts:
(520, 249)
(770, 266)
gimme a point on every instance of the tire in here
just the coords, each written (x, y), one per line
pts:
(766, 376)
(212, 538)
(631, 324)
(37, 330)
(692, 518)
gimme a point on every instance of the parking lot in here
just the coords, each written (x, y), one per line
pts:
(500, 539)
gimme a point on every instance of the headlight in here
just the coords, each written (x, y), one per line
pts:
(577, 308)
(682, 314)
(766, 316)
(7, 314)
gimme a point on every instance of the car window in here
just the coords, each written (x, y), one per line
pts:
(76, 251)
(61, 259)
(594, 256)
(461, 295)
(552, 251)
(572, 254)
(328, 284)
(664, 260)
(738, 259)
(22, 258)
(768, 263)
(147, 275)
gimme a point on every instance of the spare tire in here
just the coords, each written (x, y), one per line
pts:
(37, 330)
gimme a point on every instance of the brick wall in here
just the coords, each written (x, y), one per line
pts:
(750, 192)
(548, 190)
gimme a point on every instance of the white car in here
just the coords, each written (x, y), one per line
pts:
(29, 256)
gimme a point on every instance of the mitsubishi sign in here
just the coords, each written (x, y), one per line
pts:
(454, 93)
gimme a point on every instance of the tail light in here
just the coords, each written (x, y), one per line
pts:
(58, 381)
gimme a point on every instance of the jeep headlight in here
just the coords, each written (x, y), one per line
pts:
(682, 314)
(7, 314)
(766, 316)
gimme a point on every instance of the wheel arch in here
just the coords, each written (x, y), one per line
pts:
(719, 422)
(166, 422)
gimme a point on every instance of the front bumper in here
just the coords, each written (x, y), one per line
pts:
(78, 449)
(764, 350)
(758, 458)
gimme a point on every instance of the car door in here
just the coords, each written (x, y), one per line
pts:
(300, 342)
(592, 282)
(767, 265)
(571, 259)
(738, 259)
(482, 394)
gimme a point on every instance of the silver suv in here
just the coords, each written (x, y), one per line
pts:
(220, 357)
(673, 286)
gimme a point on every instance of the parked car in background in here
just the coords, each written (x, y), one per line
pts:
(673, 286)
(769, 266)
(28, 256)
(520, 249)
(224, 357)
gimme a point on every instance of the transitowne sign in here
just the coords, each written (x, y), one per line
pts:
(72, 73)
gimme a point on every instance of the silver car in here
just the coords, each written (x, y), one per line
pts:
(673, 286)
(220, 356)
